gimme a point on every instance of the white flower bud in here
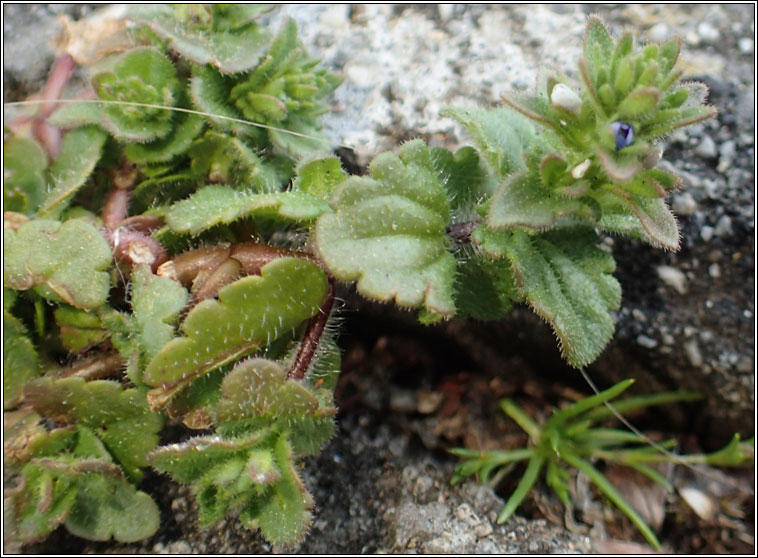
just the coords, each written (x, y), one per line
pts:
(652, 156)
(581, 169)
(564, 97)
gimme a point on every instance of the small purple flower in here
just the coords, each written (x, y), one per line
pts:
(623, 133)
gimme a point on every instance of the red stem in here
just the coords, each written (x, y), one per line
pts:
(312, 338)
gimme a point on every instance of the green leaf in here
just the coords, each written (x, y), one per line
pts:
(388, 232)
(552, 168)
(259, 389)
(524, 486)
(566, 279)
(319, 176)
(68, 258)
(558, 479)
(500, 134)
(186, 128)
(108, 506)
(220, 159)
(145, 76)
(156, 303)
(640, 402)
(210, 93)
(638, 103)
(250, 313)
(74, 115)
(189, 461)
(38, 504)
(20, 360)
(80, 151)
(79, 329)
(213, 205)
(524, 201)
(284, 517)
(465, 177)
(24, 162)
(669, 53)
(235, 47)
(119, 417)
(559, 418)
(484, 288)
(299, 136)
(261, 107)
(599, 47)
(659, 226)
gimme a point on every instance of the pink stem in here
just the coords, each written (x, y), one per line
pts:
(313, 333)
(48, 136)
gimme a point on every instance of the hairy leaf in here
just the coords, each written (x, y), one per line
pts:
(253, 473)
(654, 221)
(225, 37)
(598, 48)
(500, 134)
(465, 177)
(24, 162)
(391, 236)
(213, 205)
(67, 259)
(79, 329)
(156, 302)
(109, 506)
(250, 313)
(38, 503)
(319, 176)
(485, 287)
(20, 360)
(566, 279)
(259, 389)
(186, 128)
(145, 76)
(285, 516)
(80, 151)
(523, 201)
(119, 417)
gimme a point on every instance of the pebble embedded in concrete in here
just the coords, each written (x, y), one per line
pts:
(673, 277)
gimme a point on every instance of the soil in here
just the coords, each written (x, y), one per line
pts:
(408, 394)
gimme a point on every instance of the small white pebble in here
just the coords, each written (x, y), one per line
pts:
(746, 45)
(708, 32)
(684, 204)
(659, 32)
(639, 315)
(714, 270)
(673, 277)
(724, 226)
(706, 233)
(692, 351)
(647, 342)
(707, 148)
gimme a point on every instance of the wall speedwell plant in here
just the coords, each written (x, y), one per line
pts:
(173, 258)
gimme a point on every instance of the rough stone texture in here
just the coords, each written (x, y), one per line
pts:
(375, 490)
